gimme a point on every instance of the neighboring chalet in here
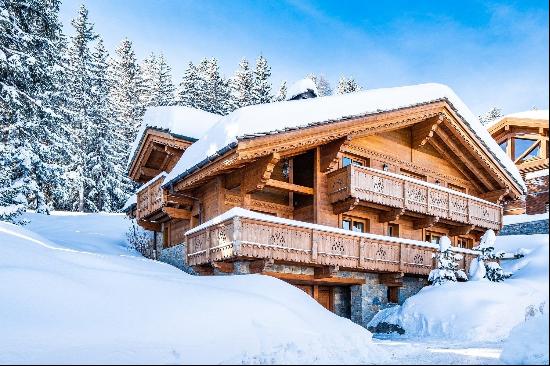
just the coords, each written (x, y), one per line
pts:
(524, 138)
(345, 196)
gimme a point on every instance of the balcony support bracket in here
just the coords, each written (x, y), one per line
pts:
(325, 271)
(345, 205)
(461, 230)
(391, 215)
(425, 223)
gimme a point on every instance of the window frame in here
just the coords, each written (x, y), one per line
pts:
(353, 220)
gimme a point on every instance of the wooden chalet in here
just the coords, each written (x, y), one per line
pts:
(524, 138)
(344, 196)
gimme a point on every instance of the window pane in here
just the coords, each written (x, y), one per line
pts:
(357, 163)
(390, 230)
(504, 145)
(346, 224)
(521, 145)
(358, 227)
(346, 161)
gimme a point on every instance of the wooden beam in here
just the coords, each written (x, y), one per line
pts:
(391, 279)
(260, 265)
(224, 267)
(345, 206)
(425, 222)
(147, 225)
(273, 183)
(458, 151)
(422, 132)
(309, 279)
(495, 196)
(203, 270)
(172, 150)
(325, 272)
(391, 215)
(461, 230)
(528, 151)
(177, 213)
(329, 154)
(441, 150)
(149, 172)
(257, 174)
(180, 200)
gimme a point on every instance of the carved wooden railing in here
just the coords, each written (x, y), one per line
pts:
(150, 199)
(396, 191)
(297, 242)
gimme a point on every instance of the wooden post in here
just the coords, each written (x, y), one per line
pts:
(208, 242)
(314, 245)
(362, 249)
(316, 184)
(237, 235)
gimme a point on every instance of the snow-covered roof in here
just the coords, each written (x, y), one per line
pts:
(277, 117)
(131, 201)
(241, 212)
(301, 86)
(541, 114)
(161, 175)
(182, 121)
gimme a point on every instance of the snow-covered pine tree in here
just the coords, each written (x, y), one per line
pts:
(261, 88)
(241, 86)
(79, 84)
(147, 75)
(347, 85)
(106, 187)
(447, 267)
(489, 116)
(160, 87)
(323, 86)
(30, 36)
(215, 92)
(281, 94)
(493, 270)
(188, 93)
(125, 92)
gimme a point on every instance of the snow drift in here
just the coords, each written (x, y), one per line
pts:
(478, 310)
(71, 293)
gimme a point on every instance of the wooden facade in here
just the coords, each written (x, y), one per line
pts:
(415, 173)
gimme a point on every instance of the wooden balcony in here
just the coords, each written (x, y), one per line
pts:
(377, 187)
(150, 199)
(256, 236)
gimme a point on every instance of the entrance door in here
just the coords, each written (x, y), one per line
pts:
(323, 294)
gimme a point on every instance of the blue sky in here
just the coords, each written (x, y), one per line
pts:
(490, 53)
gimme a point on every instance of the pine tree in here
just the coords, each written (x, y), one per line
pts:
(188, 93)
(241, 86)
(261, 88)
(281, 94)
(447, 267)
(488, 257)
(156, 79)
(347, 85)
(125, 91)
(323, 86)
(490, 116)
(80, 103)
(147, 75)
(214, 94)
(30, 36)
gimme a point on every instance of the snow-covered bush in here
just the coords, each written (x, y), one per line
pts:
(139, 239)
(447, 267)
(489, 258)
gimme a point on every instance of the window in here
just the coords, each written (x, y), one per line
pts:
(433, 238)
(457, 188)
(393, 294)
(393, 230)
(413, 175)
(353, 224)
(348, 160)
(504, 145)
(466, 243)
(526, 147)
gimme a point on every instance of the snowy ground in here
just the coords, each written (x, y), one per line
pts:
(71, 291)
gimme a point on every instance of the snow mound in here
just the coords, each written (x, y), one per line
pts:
(71, 293)
(474, 310)
(528, 341)
(282, 116)
(301, 86)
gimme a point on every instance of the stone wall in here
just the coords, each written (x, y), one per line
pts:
(536, 201)
(526, 228)
(342, 301)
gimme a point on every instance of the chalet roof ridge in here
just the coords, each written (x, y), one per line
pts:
(285, 116)
(534, 114)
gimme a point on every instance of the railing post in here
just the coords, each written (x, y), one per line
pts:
(405, 194)
(428, 196)
(401, 255)
(362, 249)
(208, 243)
(314, 245)
(468, 204)
(449, 205)
(237, 235)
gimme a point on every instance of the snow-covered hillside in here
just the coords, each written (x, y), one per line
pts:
(71, 292)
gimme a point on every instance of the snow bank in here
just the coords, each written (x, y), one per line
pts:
(178, 120)
(301, 86)
(517, 219)
(61, 304)
(280, 116)
(475, 310)
(528, 342)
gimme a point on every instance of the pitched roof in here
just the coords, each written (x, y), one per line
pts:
(183, 122)
(273, 118)
(537, 114)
